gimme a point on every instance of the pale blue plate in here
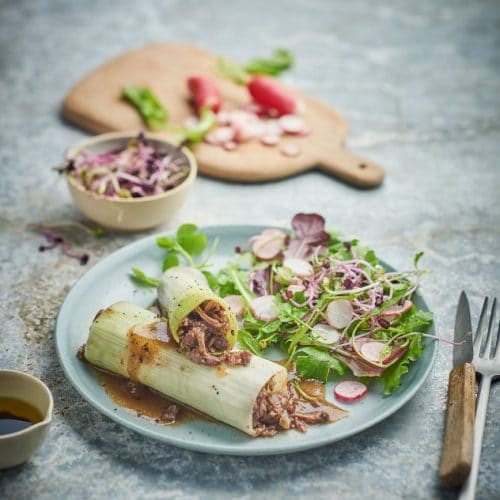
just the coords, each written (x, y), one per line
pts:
(108, 282)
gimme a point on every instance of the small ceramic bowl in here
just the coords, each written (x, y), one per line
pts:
(129, 214)
(17, 447)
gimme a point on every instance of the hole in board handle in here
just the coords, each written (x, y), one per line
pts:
(362, 165)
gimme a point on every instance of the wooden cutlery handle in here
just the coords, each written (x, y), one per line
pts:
(458, 442)
(351, 168)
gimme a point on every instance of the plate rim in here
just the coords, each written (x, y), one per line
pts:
(213, 448)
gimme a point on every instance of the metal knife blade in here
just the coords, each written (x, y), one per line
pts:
(462, 351)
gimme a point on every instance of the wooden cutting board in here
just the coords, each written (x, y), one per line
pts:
(95, 104)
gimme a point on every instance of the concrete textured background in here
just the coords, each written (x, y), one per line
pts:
(419, 83)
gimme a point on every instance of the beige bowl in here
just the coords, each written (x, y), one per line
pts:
(129, 214)
(17, 447)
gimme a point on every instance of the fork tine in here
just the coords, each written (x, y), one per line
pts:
(478, 335)
(496, 351)
(486, 344)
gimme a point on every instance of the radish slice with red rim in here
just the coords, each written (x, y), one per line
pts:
(235, 302)
(264, 308)
(290, 150)
(268, 244)
(397, 310)
(270, 140)
(299, 267)
(326, 333)
(230, 146)
(292, 124)
(220, 135)
(305, 131)
(372, 350)
(272, 127)
(223, 118)
(349, 391)
(339, 313)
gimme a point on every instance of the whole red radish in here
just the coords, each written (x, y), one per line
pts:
(205, 93)
(270, 95)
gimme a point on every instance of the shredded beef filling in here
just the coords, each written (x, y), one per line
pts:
(201, 335)
(274, 412)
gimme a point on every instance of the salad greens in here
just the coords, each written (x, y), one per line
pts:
(280, 61)
(187, 244)
(147, 104)
(335, 308)
(197, 132)
(327, 303)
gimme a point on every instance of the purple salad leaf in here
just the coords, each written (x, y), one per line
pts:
(258, 281)
(309, 234)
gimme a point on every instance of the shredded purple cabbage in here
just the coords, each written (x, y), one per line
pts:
(135, 170)
(54, 240)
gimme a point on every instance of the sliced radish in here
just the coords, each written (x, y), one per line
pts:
(223, 118)
(264, 308)
(305, 131)
(339, 313)
(268, 244)
(254, 108)
(272, 127)
(292, 124)
(240, 115)
(327, 334)
(291, 150)
(349, 391)
(230, 146)
(372, 350)
(235, 302)
(270, 140)
(293, 289)
(299, 267)
(397, 310)
(220, 135)
(242, 131)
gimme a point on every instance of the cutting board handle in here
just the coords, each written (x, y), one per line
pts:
(352, 168)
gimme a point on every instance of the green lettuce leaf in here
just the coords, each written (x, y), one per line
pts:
(248, 341)
(391, 378)
(315, 363)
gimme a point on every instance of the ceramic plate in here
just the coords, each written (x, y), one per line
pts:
(108, 282)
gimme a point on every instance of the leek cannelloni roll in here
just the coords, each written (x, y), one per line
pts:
(136, 343)
(200, 321)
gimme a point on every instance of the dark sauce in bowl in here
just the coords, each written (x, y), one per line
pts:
(17, 415)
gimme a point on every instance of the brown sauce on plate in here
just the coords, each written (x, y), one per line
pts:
(145, 402)
(314, 389)
(16, 415)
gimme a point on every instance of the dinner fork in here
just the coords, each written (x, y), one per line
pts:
(486, 361)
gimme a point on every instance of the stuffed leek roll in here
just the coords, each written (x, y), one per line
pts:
(136, 343)
(201, 322)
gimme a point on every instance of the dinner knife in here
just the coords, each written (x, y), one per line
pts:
(458, 442)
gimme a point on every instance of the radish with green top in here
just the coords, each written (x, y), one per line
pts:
(205, 93)
(267, 93)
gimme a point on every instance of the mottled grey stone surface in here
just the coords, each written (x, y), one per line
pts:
(419, 83)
